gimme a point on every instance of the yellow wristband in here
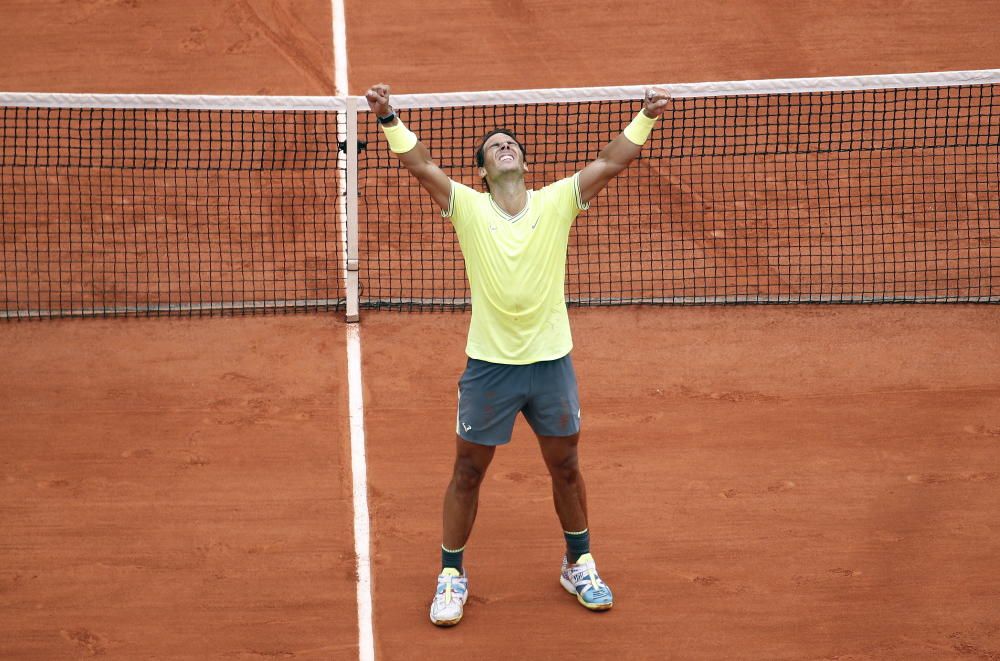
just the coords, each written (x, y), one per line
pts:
(638, 131)
(401, 139)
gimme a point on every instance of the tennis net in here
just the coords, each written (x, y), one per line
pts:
(870, 189)
(867, 189)
(152, 205)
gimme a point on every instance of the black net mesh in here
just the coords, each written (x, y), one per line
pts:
(149, 212)
(851, 196)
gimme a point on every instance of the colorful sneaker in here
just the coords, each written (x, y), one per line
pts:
(449, 600)
(581, 579)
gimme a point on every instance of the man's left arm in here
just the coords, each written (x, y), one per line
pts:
(621, 151)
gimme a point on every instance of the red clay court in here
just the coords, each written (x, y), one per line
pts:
(766, 481)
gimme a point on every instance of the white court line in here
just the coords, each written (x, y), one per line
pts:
(359, 473)
(356, 408)
(339, 49)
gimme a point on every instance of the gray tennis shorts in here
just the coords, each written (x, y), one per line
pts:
(490, 395)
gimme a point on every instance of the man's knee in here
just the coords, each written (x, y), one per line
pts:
(565, 469)
(471, 463)
(468, 474)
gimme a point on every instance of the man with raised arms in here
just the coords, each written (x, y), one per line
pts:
(514, 242)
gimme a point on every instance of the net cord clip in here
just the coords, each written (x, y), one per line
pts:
(342, 144)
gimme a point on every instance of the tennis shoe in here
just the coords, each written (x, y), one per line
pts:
(449, 599)
(581, 579)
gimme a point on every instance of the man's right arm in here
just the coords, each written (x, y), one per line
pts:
(413, 155)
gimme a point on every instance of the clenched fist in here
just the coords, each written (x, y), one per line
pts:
(378, 100)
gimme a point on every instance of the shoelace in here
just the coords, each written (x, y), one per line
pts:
(588, 574)
(448, 589)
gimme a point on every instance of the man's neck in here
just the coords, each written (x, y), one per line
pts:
(511, 195)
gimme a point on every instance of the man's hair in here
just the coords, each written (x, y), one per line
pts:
(481, 150)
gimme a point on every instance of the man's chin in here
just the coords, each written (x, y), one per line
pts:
(508, 174)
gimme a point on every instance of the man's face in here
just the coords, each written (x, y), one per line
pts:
(501, 155)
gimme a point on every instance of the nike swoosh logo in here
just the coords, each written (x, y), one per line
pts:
(536, 222)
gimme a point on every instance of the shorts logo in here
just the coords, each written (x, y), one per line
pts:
(466, 427)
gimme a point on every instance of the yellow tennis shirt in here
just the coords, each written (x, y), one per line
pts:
(516, 267)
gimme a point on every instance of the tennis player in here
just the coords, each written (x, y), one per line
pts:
(514, 242)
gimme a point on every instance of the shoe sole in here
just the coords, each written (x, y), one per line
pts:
(593, 607)
(446, 623)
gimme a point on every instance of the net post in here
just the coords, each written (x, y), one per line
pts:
(351, 192)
